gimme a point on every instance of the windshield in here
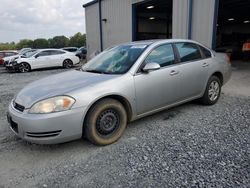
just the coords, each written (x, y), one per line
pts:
(117, 60)
(30, 53)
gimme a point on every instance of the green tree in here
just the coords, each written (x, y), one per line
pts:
(78, 40)
(50, 43)
(7, 46)
(40, 43)
(24, 43)
(58, 42)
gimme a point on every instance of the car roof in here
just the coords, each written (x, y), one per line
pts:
(154, 41)
(40, 50)
(14, 51)
(69, 47)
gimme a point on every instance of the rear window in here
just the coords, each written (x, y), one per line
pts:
(188, 51)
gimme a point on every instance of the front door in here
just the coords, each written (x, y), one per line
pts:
(157, 88)
(41, 60)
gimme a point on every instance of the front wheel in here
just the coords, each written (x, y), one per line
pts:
(213, 90)
(24, 67)
(105, 123)
(67, 64)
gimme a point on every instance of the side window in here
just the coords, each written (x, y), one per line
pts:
(188, 51)
(206, 52)
(163, 55)
(44, 53)
(56, 52)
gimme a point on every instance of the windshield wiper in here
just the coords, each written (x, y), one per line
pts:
(96, 71)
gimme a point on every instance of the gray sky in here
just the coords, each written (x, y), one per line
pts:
(21, 19)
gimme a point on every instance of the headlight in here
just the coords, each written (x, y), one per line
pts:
(55, 104)
(14, 62)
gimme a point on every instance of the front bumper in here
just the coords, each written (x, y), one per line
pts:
(47, 128)
(11, 67)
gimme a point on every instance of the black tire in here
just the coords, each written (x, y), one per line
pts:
(105, 122)
(67, 64)
(24, 67)
(210, 98)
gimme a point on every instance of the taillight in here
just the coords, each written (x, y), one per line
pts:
(228, 58)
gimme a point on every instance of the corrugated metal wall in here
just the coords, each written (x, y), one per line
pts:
(180, 19)
(92, 28)
(118, 27)
(202, 21)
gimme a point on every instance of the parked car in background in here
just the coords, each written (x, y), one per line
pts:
(44, 58)
(23, 50)
(8, 60)
(6, 53)
(121, 84)
(71, 49)
(81, 53)
(234, 51)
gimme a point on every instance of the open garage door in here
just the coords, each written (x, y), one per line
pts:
(152, 20)
(233, 28)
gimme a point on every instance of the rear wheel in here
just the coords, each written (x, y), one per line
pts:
(24, 67)
(213, 90)
(67, 64)
(105, 122)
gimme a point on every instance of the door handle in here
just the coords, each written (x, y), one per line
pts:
(173, 72)
(205, 65)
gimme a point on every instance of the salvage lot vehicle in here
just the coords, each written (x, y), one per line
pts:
(24, 53)
(81, 53)
(119, 85)
(4, 54)
(44, 58)
(70, 49)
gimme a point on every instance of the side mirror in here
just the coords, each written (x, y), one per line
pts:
(151, 67)
(36, 56)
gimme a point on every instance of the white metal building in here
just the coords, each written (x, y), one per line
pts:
(210, 22)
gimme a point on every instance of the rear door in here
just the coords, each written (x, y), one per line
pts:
(56, 57)
(193, 69)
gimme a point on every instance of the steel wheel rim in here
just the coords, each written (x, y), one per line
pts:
(24, 67)
(107, 122)
(214, 90)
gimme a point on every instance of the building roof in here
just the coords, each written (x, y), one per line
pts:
(89, 3)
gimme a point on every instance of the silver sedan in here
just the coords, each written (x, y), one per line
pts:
(121, 84)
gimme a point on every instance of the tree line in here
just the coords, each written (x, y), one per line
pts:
(76, 40)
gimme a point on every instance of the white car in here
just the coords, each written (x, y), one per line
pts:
(22, 53)
(44, 58)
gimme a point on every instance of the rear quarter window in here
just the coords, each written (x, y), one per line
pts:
(206, 52)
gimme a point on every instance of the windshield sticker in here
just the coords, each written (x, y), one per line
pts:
(139, 46)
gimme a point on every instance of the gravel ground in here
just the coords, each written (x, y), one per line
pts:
(187, 146)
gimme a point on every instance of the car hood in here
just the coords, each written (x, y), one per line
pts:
(10, 57)
(59, 84)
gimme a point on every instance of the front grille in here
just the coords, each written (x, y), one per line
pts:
(18, 107)
(43, 134)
